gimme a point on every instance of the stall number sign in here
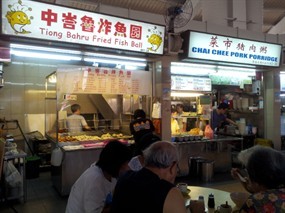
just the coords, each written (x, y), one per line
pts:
(185, 83)
(227, 49)
(70, 97)
(44, 21)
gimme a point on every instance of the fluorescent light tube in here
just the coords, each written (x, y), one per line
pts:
(45, 55)
(185, 94)
(48, 49)
(114, 56)
(108, 61)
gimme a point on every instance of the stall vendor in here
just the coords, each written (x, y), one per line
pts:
(180, 119)
(76, 122)
(175, 129)
(219, 117)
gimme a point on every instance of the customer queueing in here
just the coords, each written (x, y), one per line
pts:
(140, 126)
(76, 122)
(137, 162)
(93, 190)
(266, 180)
(152, 188)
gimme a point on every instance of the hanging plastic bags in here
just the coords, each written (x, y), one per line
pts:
(12, 176)
(209, 133)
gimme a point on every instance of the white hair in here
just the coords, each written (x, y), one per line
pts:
(244, 155)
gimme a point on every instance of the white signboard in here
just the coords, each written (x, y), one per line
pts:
(235, 50)
(185, 83)
(32, 19)
(93, 80)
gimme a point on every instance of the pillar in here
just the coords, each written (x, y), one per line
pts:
(272, 104)
(162, 90)
(242, 14)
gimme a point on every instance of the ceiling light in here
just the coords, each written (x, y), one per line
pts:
(48, 49)
(114, 56)
(45, 55)
(185, 94)
(108, 61)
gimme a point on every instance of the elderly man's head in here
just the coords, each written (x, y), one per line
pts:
(162, 156)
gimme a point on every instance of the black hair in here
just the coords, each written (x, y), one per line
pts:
(180, 105)
(145, 141)
(113, 156)
(266, 167)
(223, 106)
(75, 107)
(139, 113)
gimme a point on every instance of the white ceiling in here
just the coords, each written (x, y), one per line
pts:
(273, 13)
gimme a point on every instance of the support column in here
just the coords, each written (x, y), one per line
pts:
(163, 89)
(272, 102)
(215, 11)
(242, 14)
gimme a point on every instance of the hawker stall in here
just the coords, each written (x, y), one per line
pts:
(107, 98)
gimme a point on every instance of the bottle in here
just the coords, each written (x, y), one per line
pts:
(211, 201)
(201, 200)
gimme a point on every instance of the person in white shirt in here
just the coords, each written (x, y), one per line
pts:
(76, 122)
(137, 162)
(93, 190)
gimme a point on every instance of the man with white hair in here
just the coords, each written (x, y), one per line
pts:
(152, 188)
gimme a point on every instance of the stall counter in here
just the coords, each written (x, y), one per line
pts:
(218, 149)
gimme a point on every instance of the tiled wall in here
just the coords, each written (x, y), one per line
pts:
(24, 89)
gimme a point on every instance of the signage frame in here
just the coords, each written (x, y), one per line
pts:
(186, 47)
(66, 43)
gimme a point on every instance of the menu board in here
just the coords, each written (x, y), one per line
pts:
(94, 80)
(187, 83)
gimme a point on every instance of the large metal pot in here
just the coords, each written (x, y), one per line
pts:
(195, 166)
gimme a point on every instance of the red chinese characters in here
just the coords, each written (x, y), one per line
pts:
(69, 21)
(136, 32)
(90, 24)
(87, 24)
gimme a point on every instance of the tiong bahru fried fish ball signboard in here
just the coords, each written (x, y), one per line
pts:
(37, 20)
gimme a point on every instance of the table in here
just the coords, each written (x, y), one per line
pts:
(220, 197)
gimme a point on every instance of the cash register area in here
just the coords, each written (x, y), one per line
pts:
(42, 196)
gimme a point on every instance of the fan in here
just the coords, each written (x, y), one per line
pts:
(179, 16)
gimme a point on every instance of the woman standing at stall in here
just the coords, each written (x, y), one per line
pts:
(140, 126)
(179, 117)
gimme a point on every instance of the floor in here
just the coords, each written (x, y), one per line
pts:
(42, 196)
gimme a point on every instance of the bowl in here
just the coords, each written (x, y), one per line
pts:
(239, 198)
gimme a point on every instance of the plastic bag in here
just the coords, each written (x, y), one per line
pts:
(56, 157)
(12, 176)
(209, 133)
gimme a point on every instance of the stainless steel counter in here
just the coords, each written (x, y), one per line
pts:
(74, 163)
(217, 149)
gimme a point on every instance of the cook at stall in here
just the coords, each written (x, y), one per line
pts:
(219, 117)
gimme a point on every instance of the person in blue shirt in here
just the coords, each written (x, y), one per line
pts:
(219, 117)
